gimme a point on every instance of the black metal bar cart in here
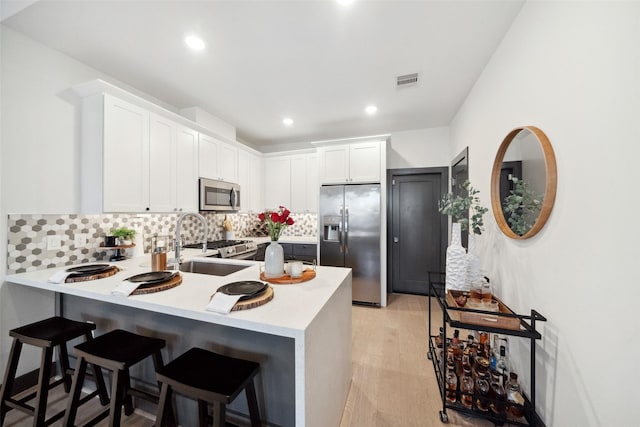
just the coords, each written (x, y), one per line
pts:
(450, 316)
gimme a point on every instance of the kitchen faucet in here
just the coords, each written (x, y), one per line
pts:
(179, 225)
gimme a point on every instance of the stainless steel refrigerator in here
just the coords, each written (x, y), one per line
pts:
(350, 235)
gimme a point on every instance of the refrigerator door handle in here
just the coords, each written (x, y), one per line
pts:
(346, 230)
(340, 232)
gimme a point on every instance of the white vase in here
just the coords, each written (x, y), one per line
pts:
(274, 260)
(473, 262)
(456, 274)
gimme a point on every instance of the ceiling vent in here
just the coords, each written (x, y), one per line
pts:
(407, 80)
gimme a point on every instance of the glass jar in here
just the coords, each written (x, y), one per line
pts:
(466, 388)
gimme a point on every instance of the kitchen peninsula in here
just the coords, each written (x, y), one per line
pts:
(302, 338)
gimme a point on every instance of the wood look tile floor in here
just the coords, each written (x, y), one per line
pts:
(393, 383)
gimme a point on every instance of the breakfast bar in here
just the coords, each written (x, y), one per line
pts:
(301, 338)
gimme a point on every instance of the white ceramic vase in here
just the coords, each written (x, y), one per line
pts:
(456, 274)
(473, 262)
(274, 260)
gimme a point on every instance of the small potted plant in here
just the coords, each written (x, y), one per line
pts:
(457, 207)
(125, 235)
(463, 269)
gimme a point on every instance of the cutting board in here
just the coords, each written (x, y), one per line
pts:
(307, 275)
(107, 273)
(159, 287)
(255, 302)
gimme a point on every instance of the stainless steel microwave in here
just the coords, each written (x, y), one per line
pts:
(219, 195)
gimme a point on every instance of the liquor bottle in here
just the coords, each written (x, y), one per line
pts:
(514, 397)
(451, 383)
(466, 388)
(469, 351)
(502, 365)
(482, 389)
(498, 402)
(456, 338)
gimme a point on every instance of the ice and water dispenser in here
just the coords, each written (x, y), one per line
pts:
(331, 228)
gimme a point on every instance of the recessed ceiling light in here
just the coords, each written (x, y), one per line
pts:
(287, 121)
(371, 109)
(344, 2)
(194, 42)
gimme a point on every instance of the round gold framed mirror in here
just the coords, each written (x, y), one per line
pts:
(523, 182)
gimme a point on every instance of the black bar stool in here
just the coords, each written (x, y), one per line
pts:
(210, 378)
(117, 351)
(46, 334)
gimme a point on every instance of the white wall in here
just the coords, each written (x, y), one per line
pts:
(38, 165)
(572, 69)
(419, 148)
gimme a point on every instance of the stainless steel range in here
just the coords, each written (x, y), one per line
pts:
(234, 249)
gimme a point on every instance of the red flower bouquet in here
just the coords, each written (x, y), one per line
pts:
(276, 221)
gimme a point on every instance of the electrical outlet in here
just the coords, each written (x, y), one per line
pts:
(54, 242)
(80, 240)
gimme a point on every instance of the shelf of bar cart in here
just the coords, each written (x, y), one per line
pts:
(504, 322)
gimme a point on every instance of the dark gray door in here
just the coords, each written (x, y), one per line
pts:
(418, 230)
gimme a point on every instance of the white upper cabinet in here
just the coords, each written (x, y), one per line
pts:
(350, 163)
(172, 166)
(304, 183)
(250, 180)
(186, 170)
(277, 182)
(133, 160)
(125, 186)
(217, 159)
(162, 164)
(313, 185)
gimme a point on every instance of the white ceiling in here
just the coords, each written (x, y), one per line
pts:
(316, 61)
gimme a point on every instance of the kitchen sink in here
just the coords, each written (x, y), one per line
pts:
(213, 269)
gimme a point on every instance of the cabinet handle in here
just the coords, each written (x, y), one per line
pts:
(146, 209)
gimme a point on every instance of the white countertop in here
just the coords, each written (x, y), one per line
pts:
(289, 313)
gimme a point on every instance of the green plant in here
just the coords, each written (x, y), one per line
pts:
(521, 207)
(124, 233)
(457, 207)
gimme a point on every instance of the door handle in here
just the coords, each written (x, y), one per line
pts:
(396, 240)
(346, 230)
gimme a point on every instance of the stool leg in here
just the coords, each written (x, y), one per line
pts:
(63, 358)
(126, 397)
(40, 410)
(117, 398)
(252, 401)
(219, 414)
(165, 399)
(9, 377)
(101, 386)
(97, 375)
(157, 364)
(202, 413)
(76, 389)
